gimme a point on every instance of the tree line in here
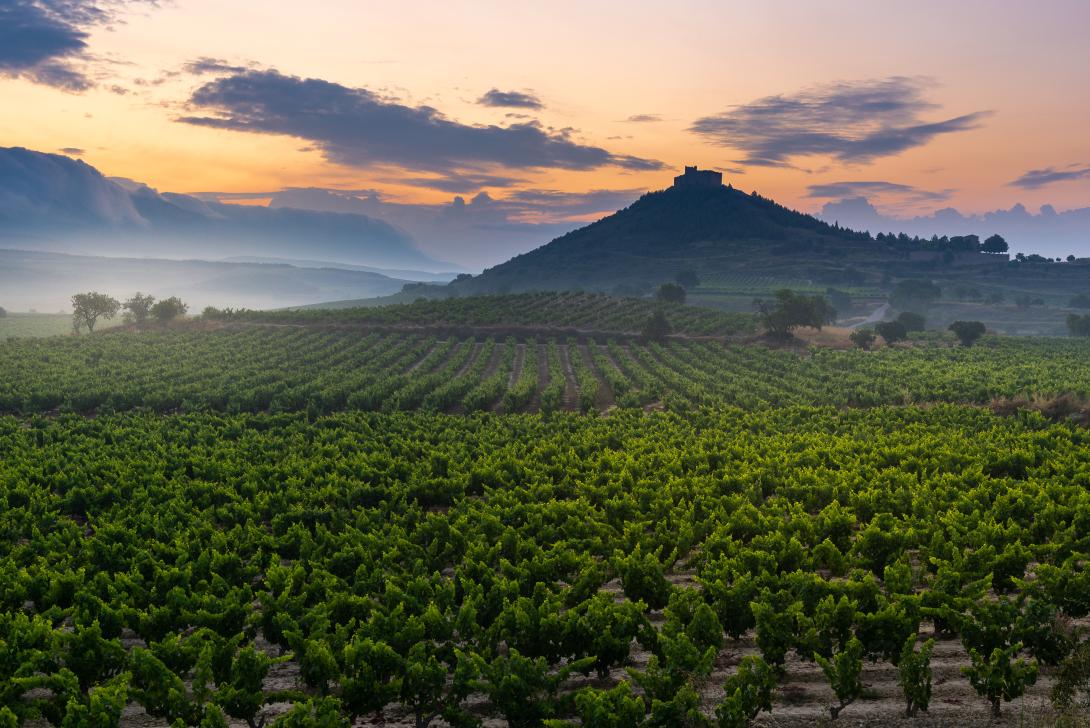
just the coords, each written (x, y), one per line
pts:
(88, 308)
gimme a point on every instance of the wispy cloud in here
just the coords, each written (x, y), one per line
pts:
(510, 99)
(45, 41)
(852, 122)
(1037, 178)
(357, 127)
(876, 188)
(643, 118)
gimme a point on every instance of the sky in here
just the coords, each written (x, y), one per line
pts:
(561, 111)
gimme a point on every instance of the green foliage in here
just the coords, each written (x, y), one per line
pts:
(998, 676)
(843, 672)
(318, 713)
(88, 308)
(912, 321)
(643, 578)
(748, 692)
(169, 309)
(968, 332)
(671, 293)
(862, 338)
(914, 675)
(372, 676)
(657, 327)
(138, 308)
(1072, 687)
(617, 707)
(891, 331)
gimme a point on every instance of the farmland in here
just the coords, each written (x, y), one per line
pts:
(334, 518)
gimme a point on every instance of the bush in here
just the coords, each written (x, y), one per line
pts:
(671, 293)
(891, 331)
(748, 692)
(967, 331)
(169, 309)
(863, 338)
(1073, 680)
(914, 675)
(1000, 677)
(844, 673)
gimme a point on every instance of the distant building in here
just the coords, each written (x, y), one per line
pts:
(694, 177)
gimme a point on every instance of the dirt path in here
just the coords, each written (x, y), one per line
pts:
(571, 392)
(420, 362)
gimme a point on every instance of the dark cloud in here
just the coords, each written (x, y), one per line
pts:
(851, 122)
(204, 65)
(72, 151)
(510, 99)
(867, 188)
(1037, 178)
(357, 127)
(643, 118)
(45, 41)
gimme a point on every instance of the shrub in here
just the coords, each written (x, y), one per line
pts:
(844, 673)
(1000, 677)
(891, 331)
(967, 331)
(914, 675)
(863, 338)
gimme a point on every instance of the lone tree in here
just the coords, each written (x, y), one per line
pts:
(863, 338)
(687, 279)
(169, 308)
(790, 310)
(994, 244)
(967, 331)
(139, 307)
(88, 308)
(671, 293)
(657, 327)
(891, 331)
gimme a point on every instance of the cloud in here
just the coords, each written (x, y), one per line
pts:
(1037, 178)
(45, 41)
(359, 128)
(853, 122)
(458, 183)
(72, 151)
(205, 65)
(510, 99)
(876, 188)
(643, 118)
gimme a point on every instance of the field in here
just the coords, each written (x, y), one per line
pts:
(35, 324)
(422, 516)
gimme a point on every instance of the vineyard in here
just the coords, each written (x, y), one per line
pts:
(257, 368)
(309, 519)
(586, 312)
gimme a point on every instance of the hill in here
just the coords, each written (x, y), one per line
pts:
(49, 202)
(46, 281)
(713, 230)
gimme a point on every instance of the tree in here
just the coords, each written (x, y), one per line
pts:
(891, 331)
(967, 331)
(1078, 325)
(671, 293)
(999, 677)
(657, 327)
(169, 309)
(687, 279)
(914, 295)
(912, 321)
(139, 307)
(994, 244)
(844, 673)
(88, 308)
(863, 338)
(914, 675)
(790, 310)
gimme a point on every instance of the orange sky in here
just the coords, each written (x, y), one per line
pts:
(592, 65)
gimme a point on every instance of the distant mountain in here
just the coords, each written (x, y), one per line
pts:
(711, 230)
(1049, 232)
(400, 273)
(50, 202)
(46, 281)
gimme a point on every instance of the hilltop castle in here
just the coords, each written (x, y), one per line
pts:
(694, 177)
